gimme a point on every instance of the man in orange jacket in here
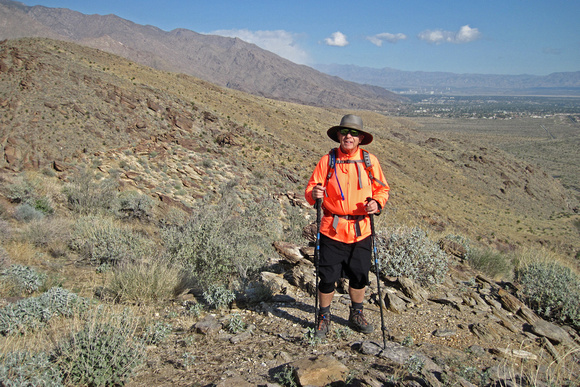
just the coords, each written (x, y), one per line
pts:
(351, 184)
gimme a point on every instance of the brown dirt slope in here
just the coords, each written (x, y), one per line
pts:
(67, 104)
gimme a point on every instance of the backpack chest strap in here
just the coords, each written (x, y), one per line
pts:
(358, 168)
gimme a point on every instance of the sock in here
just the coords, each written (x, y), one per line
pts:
(325, 310)
(357, 305)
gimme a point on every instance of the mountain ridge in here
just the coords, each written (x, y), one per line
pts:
(567, 83)
(220, 60)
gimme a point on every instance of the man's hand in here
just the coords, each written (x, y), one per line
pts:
(372, 207)
(318, 192)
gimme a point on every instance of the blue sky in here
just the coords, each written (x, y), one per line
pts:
(469, 36)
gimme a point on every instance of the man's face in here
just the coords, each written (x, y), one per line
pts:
(348, 142)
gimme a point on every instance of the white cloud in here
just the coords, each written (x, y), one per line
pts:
(280, 42)
(378, 39)
(465, 34)
(337, 39)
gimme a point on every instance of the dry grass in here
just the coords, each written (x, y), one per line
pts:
(145, 282)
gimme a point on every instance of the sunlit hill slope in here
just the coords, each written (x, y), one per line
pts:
(176, 138)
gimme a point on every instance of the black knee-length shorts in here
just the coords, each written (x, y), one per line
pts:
(344, 260)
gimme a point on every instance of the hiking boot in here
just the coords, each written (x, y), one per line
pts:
(358, 322)
(323, 326)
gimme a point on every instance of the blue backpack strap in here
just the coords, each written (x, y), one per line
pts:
(331, 168)
(331, 163)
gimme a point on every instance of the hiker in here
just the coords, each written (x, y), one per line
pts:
(351, 184)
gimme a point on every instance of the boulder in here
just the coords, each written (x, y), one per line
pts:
(412, 289)
(509, 301)
(291, 253)
(553, 332)
(319, 371)
(394, 303)
(209, 325)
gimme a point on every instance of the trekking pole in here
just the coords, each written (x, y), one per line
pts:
(318, 206)
(377, 270)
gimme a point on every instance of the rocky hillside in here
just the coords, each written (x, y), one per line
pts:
(175, 138)
(222, 61)
(65, 105)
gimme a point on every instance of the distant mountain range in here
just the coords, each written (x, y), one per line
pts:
(220, 60)
(565, 83)
(236, 64)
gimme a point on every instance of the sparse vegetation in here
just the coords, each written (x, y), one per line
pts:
(552, 290)
(101, 353)
(491, 262)
(22, 279)
(410, 253)
(224, 241)
(101, 241)
(30, 314)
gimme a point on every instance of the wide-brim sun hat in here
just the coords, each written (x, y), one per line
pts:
(350, 121)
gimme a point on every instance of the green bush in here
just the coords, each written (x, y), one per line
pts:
(236, 324)
(218, 296)
(408, 252)
(24, 369)
(88, 195)
(133, 205)
(224, 242)
(26, 213)
(23, 279)
(26, 192)
(102, 353)
(101, 241)
(21, 191)
(32, 313)
(491, 262)
(552, 291)
(156, 333)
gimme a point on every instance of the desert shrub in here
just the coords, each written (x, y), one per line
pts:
(23, 279)
(224, 242)
(236, 324)
(491, 262)
(20, 192)
(156, 333)
(145, 281)
(23, 369)
(32, 313)
(133, 205)
(86, 194)
(551, 290)
(218, 296)
(294, 223)
(26, 213)
(102, 353)
(44, 205)
(408, 252)
(52, 233)
(102, 241)
(28, 192)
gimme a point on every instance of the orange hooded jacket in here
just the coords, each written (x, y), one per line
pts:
(345, 178)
